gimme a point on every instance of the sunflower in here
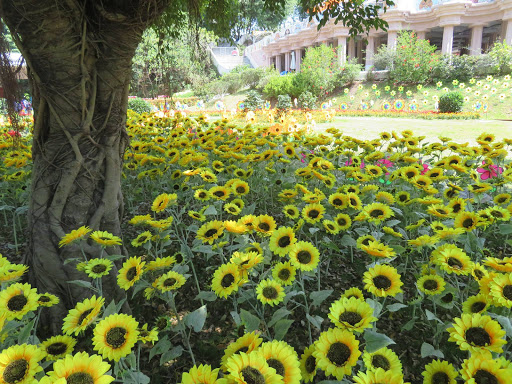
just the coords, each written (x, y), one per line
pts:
(130, 273)
(308, 364)
(338, 200)
(431, 284)
(500, 265)
(11, 272)
(240, 187)
(283, 358)
(477, 333)
(377, 249)
(379, 376)
(232, 209)
(142, 238)
(234, 227)
(483, 369)
(210, 231)
(47, 300)
(304, 256)
(220, 192)
(501, 290)
(377, 213)
(20, 363)
(439, 372)
(57, 347)
(336, 352)
(246, 343)
(115, 336)
(265, 224)
(202, 194)
(245, 261)
(352, 314)
(80, 368)
(169, 281)
(392, 232)
(251, 367)
(352, 292)
(313, 213)
(80, 317)
(162, 201)
(17, 300)
(226, 280)
(284, 273)
(452, 259)
(161, 263)
(403, 198)
(331, 227)
(343, 221)
(291, 211)
(96, 268)
(354, 201)
(105, 239)
(502, 198)
(382, 280)
(384, 359)
(475, 304)
(74, 235)
(146, 336)
(270, 292)
(466, 220)
(282, 240)
(202, 374)
(439, 210)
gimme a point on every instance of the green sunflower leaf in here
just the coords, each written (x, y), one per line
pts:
(251, 322)
(196, 319)
(281, 328)
(163, 345)
(210, 211)
(278, 315)
(318, 297)
(429, 350)
(376, 341)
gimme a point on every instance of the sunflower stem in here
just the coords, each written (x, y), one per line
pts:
(34, 330)
(195, 275)
(306, 306)
(185, 338)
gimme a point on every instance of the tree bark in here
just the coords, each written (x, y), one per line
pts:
(79, 54)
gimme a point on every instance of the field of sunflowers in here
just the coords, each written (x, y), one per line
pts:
(265, 253)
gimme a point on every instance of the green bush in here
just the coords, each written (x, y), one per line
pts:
(349, 72)
(485, 65)
(252, 76)
(451, 102)
(307, 100)
(501, 53)
(253, 101)
(384, 59)
(279, 85)
(449, 68)
(284, 103)
(139, 105)
(233, 81)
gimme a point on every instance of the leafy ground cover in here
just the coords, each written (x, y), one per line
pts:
(268, 252)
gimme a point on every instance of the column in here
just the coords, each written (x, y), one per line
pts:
(421, 34)
(476, 40)
(447, 39)
(269, 61)
(278, 63)
(370, 50)
(298, 59)
(287, 61)
(508, 33)
(342, 50)
(392, 39)
(351, 49)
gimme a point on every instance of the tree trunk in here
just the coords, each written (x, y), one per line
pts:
(79, 57)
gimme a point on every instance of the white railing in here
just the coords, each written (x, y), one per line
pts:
(225, 51)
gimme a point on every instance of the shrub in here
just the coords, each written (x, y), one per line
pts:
(501, 53)
(307, 100)
(384, 58)
(252, 76)
(449, 68)
(139, 105)
(284, 103)
(451, 102)
(233, 81)
(349, 72)
(485, 65)
(279, 85)
(253, 101)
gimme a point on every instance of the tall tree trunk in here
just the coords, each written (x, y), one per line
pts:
(79, 55)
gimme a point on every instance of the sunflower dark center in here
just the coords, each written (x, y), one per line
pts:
(270, 293)
(448, 298)
(99, 268)
(497, 214)
(253, 376)
(337, 202)
(284, 241)
(57, 348)
(264, 226)
(80, 378)
(314, 213)
(352, 318)
(304, 257)
(218, 193)
(478, 273)
(240, 189)
(478, 306)
(116, 337)
(353, 202)
(502, 200)
(430, 285)
(507, 292)
(376, 213)
(341, 221)
(410, 174)
(169, 282)
(366, 241)
(44, 299)
(16, 303)
(379, 361)
(15, 371)
(485, 377)
(243, 349)
(284, 274)
(310, 364)
(382, 282)
(227, 280)
(210, 232)
(83, 316)
(131, 273)
(478, 336)
(277, 365)
(402, 198)
(338, 354)
(454, 263)
(468, 223)
(440, 378)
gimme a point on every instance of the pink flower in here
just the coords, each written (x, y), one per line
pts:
(349, 162)
(387, 163)
(489, 171)
(425, 168)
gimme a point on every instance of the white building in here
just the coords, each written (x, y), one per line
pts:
(454, 26)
